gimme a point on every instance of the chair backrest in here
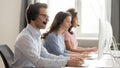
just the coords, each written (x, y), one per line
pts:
(7, 55)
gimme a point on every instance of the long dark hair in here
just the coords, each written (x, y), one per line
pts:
(74, 15)
(59, 18)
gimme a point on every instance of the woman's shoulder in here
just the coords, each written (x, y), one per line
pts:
(52, 35)
(67, 33)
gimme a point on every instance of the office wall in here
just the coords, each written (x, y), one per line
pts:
(115, 20)
(88, 43)
(9, 22)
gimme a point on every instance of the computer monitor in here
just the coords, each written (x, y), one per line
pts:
(105, 37)
(109, 34)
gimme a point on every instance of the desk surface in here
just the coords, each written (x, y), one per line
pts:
(99, 64)
(106, 62)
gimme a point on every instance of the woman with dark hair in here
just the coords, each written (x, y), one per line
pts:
(54, 38)
(70, 37)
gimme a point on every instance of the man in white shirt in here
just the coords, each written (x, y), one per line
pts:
(29, 51)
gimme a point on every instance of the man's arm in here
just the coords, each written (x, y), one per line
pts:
(27, 48)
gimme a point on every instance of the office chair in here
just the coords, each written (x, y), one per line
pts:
(7, 55)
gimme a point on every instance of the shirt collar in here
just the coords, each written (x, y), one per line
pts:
(33, 31)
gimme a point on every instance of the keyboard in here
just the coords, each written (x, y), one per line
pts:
(114, 54)
(92, 56)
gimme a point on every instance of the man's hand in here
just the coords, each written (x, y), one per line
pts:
(75, 62)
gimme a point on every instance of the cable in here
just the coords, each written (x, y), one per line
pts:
(115, 53)
(114, 44)
(114, 59)
(109, 51)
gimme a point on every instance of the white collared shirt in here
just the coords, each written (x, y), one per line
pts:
(30, 53)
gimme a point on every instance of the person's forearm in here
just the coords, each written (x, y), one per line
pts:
(77, 50)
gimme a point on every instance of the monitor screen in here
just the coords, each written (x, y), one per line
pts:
(105, 37)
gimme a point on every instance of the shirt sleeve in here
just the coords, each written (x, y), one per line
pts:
(67, 36)
(28, 49)
(66, 51)
(52, 56)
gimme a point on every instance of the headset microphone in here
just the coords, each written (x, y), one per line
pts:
(44, 22)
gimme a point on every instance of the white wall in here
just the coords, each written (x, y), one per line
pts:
(88, 42)
(9, 22)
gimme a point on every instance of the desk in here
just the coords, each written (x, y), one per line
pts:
(99, 64)
(106, 62)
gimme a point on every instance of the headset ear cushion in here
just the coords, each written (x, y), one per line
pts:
(60, 22)
(33, 17)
